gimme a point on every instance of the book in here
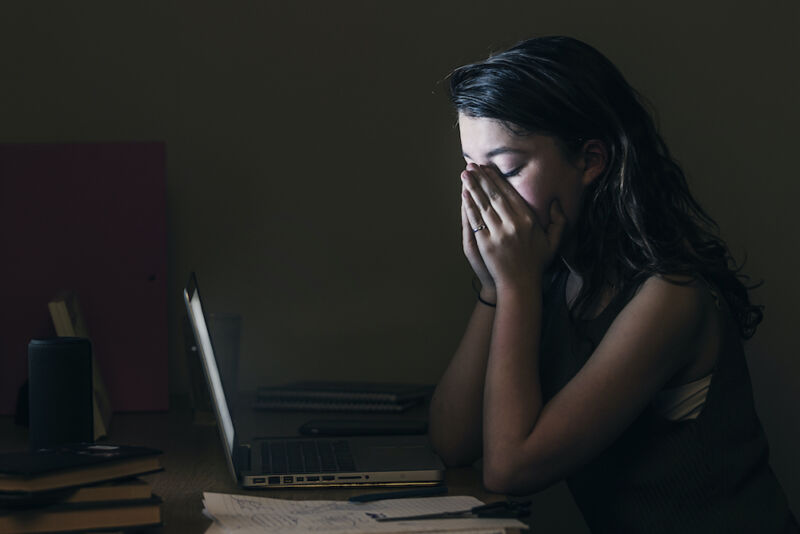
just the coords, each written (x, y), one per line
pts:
(342, 396)
(130, 489)
(69, 322)
(70, 517)
(330, 406)
(348, 391)
(123, 490)
(74, 465)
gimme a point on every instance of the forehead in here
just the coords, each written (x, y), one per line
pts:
(481, 137)
(483, 131)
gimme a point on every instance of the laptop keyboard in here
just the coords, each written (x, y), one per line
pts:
(306, 456)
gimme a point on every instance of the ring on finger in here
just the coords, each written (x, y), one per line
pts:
(479, 228)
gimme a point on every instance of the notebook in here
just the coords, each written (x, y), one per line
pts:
(307, 461)
(342, 396)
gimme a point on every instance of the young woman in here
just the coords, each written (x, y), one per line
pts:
(605, 346)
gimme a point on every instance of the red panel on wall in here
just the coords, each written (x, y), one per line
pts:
(91, 218)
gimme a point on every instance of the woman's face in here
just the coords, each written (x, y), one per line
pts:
(533, 165)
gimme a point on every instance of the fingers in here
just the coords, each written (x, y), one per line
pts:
(474, 216)
(464, 222)
(511, 199)
(472, 180)
(466, 226)
(490, 192)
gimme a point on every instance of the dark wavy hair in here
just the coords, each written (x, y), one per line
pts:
(639, 218)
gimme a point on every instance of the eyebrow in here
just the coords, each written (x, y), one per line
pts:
(498, 151)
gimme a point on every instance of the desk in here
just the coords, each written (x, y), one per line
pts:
(194, 462)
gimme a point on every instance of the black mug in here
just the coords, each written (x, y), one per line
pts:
(60, 393)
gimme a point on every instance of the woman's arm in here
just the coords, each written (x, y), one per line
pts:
(456, 407)
(527, 445)
(456, 423)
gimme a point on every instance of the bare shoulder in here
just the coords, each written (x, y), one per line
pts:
(666, 291)
(685, 309)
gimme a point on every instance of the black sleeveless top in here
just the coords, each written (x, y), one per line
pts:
(708, 475)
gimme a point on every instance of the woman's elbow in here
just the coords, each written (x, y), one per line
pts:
(499, 476)
(504, 475)
(455, 448)
(452, 454)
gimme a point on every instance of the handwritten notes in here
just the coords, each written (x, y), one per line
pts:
(244, 514)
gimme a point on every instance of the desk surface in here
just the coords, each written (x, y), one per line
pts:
(194, 462)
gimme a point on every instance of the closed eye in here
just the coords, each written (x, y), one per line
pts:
(512, 173)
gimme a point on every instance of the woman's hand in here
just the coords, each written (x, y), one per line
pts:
(514, 247)
(488, 291)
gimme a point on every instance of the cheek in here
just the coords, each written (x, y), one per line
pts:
(538, 201)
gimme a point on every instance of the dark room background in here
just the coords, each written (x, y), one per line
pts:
(312, 160)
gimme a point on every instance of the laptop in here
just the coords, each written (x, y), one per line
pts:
(258, 462)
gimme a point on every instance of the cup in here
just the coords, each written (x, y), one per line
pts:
(60, 392)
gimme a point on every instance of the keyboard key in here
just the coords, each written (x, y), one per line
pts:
(327, 457)
(294, 452)
(306, 456)
(343, 456)
(277, 450)
(310, 456)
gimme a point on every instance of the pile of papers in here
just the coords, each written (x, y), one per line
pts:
(243, 514)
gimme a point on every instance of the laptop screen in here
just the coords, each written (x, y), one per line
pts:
(194, 308)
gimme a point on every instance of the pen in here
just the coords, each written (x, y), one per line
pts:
(415, 492)
(496, 509)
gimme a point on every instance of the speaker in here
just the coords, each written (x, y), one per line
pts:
(59, 391)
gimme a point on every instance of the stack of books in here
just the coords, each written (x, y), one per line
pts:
(78, 488)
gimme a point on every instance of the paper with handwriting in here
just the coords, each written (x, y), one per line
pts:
(215, 528)
(245, 514)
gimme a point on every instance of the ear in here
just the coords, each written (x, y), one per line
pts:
(594, 156)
